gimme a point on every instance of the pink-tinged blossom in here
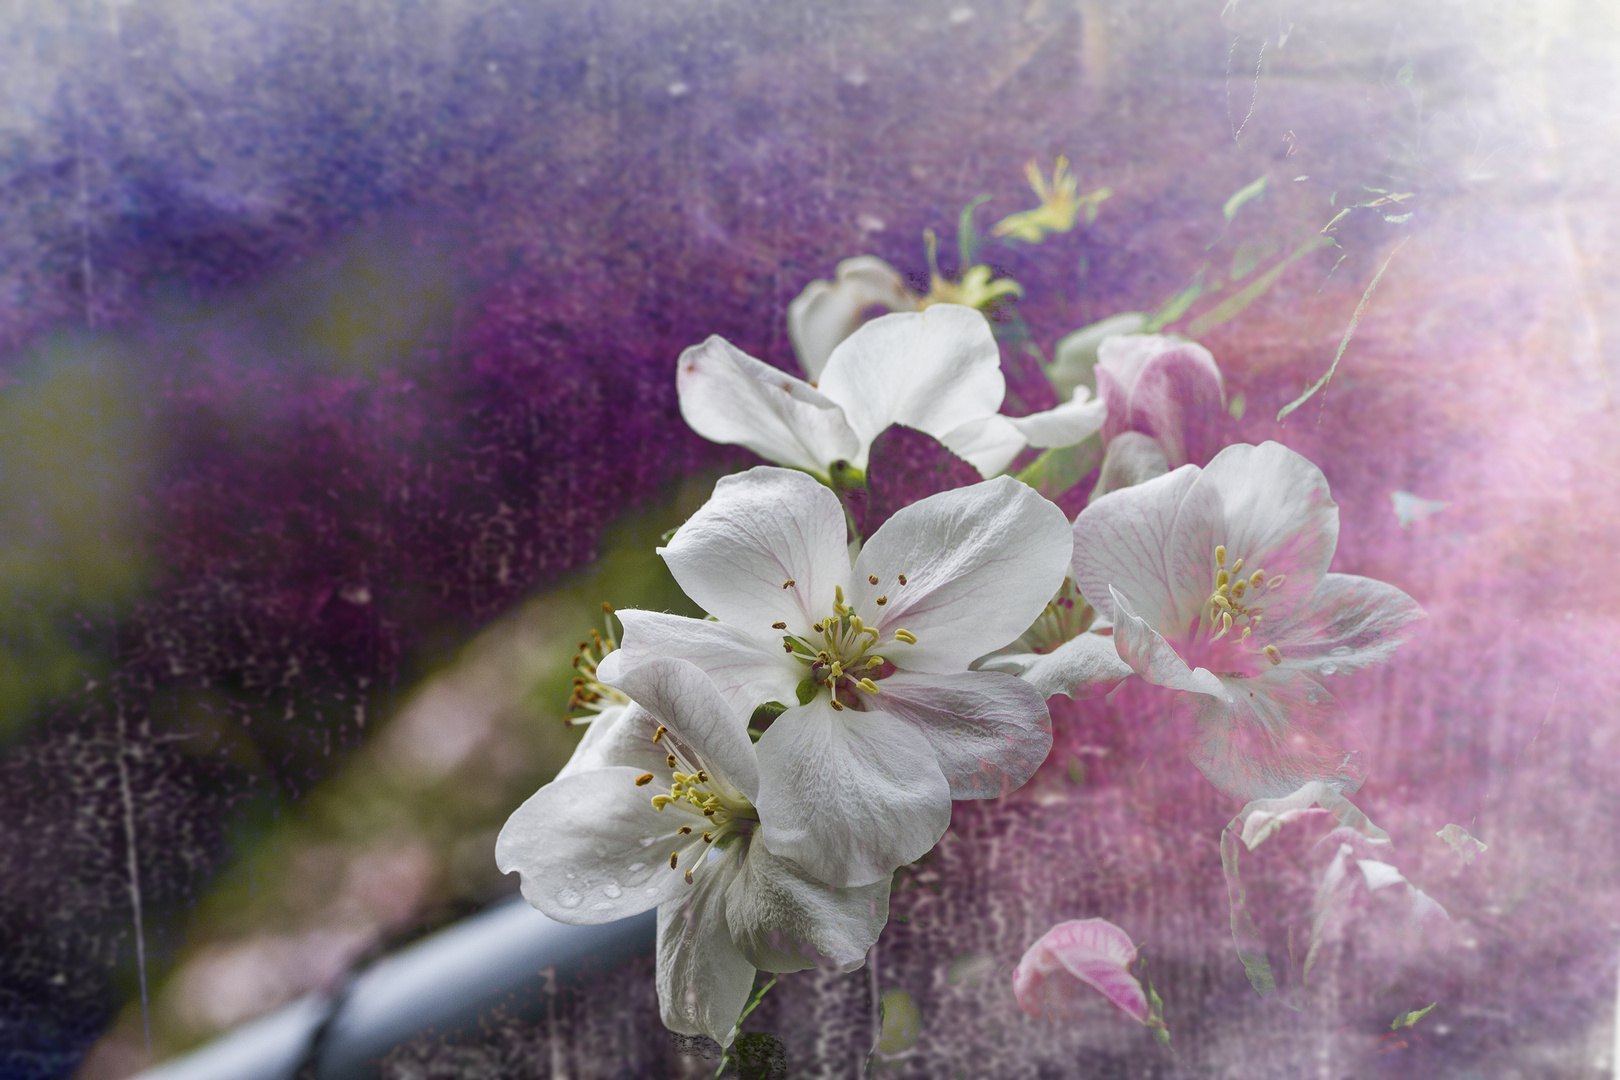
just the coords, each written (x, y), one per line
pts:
(1071, 962)
(827, 312)
(1216, 583)
(885, 724)
(1165, 388)
(936, 370)
(659, 809)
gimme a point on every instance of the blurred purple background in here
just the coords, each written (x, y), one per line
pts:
(335, 331)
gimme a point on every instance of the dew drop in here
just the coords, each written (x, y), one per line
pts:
(612, 891)
(568, 898)
(1330, 669)
(636, 867)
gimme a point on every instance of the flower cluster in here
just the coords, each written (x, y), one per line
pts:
(759, 775)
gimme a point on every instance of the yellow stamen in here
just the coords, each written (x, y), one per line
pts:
(906, 636)
(871, 579)
(778, 626)
(644, 779)
(659, 734)
(671, 760)
(672, 857)
(902, 579)
(789, 583)
(868, 685)
(882, 600)
(684, 830)
(689, 877)
(1273, 654)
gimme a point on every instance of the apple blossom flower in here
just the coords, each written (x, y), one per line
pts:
(883, 722)
(1073, 959)
(937, 370)
(1216, 583)
(666, 815)
(1164, 387)
(1061, 652)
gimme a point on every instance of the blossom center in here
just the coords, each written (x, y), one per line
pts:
(840, 651)
(1236, 603)
(590, 695)
(726, 814)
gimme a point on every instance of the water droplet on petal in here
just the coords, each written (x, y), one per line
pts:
(1330, 669)
(568, 898)
(612, 891)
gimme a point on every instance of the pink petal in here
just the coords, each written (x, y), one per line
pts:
(1054, 976)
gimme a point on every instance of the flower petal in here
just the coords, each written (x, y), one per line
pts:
(591, 848)
(769, 546)
(849, 795)
(1065, 425)
(826, 313)
(619, 736)
(932, 370)
(1125, 541)
(988, 443)
(1179, 399)
(1268, 739)
(1088, 666)
(1151, 657)
(1348, 623)
(1075, 357)
(980, 564)
(1133, 458)
(729, 397)
(1275, 514)
(703, 978)
(681, 697)
(746, 671)
(1072, 959)
(991, 730)
(785, 920)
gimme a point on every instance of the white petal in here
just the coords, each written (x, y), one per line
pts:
(703, 979)
(980, 564)
(932, 370)
(785, 920)
(1150, 656)
(769, 546)
(1133, 458)
(988, 443)
(1065, 425)
(681, 697)
(849, 795)
(1121, 359)
(826, 313)
(1073, 959)
(1269, 739)
(729, 397)
(1178, 399)
(591, 848)
(746, 671)
(1349, 622)
(619, 736)
(1089, 666)
(991, 730)
(1276, 515)
(1125, 540)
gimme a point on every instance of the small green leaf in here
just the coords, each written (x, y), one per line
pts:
(765, 714)
(1238, 405)
(1411, 1018)
(806, 691)
(667, 535)
(1242, 195)
(1060, 468)
(967, 236)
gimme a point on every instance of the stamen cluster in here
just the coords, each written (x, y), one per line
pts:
(729, 813)
(588, 694)
(844, 649)
(1234, 601)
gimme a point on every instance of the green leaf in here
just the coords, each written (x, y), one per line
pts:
(1060, 468)
(1241, 196)
(967, 236)
(764, 715)
(1411, 1018)
(806, 691)
(1175, 307)
(1234, 305)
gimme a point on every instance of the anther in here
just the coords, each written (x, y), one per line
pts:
(708, 811)
(818, 628)
(871, 578)
(671, 760)
(1257, 579)
(672, 857)
(659, 734)
(882, 600)
(1273, 654)
(702, 777)
(1276, 582)
(708, 838)
(906, 636)
(837, 705)
(787, 646)
(689, 877)
(644, 779)
(1239, 588)
(902, 579)
(1220, 554)
(778, 626)
(874, 663)
(1237, 567)
(789, 583)
(868, 685)
(661, 801)
(684, 829)
(855, 623)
